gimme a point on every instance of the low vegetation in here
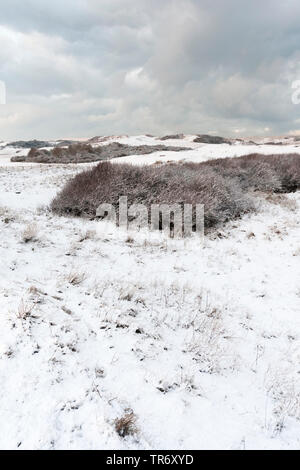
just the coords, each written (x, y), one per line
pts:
(30, 233)
(225, 186)
(274, 173)
(125, 426)
(83, 153)
(211, 139)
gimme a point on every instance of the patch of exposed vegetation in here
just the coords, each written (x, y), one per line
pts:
(83, 153)
(225, 186)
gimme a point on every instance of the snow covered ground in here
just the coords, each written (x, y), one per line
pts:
(200, 342)
(200, 152)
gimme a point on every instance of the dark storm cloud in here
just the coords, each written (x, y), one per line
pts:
(130, 66)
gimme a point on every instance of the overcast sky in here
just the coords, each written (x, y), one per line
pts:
(96, 67)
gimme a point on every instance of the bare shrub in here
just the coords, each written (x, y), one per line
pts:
(248, 173)
(7, 215)
(75, 277)
(211, 139)
(81, 152)
(278, 173)
(283, 200)
(283, 387)
(87, 235)
(126, 425)
(30, 232)
(126, 294)
(224, 186)
(33, 152)
(171, 136)
(25, 309)
(183, 183)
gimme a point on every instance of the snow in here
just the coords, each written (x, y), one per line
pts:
(200, 152)
(200, 341)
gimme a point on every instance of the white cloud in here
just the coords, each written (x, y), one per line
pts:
(133, 66)
(138, 79)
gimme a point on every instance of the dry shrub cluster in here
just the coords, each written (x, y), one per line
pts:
(225, 186)
(126, 425)
(274, 173)
(83, 153)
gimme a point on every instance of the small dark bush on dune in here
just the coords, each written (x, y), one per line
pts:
(211, 139)
(171, 136)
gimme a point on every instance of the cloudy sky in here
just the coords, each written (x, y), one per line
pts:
(98, 67)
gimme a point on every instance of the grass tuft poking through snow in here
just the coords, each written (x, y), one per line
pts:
(30, 233)
(126, 425)
(25, 309)
(75, 277)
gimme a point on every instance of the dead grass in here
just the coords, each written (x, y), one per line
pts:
(283, 387)
(87, 235)
(283, 200)
(25, 309)
(75, 277)
(7, 215)
(30, 232)
(126, 425)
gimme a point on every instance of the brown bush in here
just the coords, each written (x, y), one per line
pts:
(82, 153)
(148, 185)
(277, 173)
(125, 426)
(224, 186)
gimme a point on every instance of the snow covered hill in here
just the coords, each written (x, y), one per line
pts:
(199, 344)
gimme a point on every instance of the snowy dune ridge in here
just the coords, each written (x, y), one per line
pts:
(200, 152)
(198, 343)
